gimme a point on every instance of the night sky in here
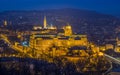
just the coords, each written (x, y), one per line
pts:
(104, 6)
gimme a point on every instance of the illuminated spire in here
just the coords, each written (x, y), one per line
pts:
(45, 22)
(5, 23)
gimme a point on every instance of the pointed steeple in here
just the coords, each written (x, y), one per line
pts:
(45, 22)
(5, 23)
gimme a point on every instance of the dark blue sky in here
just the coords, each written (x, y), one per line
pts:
(104, 6)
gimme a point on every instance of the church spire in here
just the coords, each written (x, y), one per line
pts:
(45, 22)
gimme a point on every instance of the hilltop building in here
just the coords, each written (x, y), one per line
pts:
(52, 38)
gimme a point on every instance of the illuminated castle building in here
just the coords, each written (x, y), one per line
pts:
(52, 38)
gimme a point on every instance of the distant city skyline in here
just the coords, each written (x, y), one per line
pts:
(104, 6)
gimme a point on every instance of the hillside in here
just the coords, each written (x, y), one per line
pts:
(82, 21)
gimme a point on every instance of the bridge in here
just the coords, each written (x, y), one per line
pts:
(112, 59)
